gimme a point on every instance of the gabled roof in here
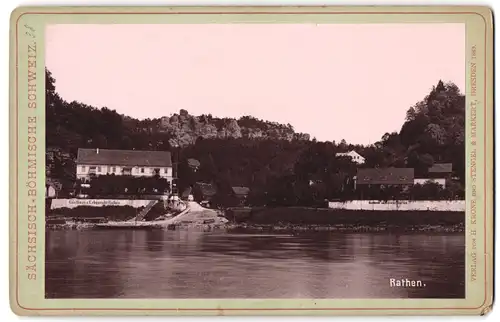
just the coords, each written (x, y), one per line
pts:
(124, 157)
(441, 168)
(393, 176)
(241, 191)
(206, 189)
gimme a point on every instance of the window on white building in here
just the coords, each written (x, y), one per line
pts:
(113, 169)
(98, 169)
(142, 170)
(83, 168)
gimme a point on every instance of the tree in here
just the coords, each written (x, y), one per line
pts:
(208, 170)
(411, 114)
(279, 166)
(427, 191)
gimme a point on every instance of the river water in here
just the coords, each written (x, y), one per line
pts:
(192, 264)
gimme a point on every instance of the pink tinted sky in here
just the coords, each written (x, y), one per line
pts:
(335, 81)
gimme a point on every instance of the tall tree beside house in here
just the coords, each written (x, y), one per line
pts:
(433, 131)
(186, 175)
(208, 169)
(435, 128)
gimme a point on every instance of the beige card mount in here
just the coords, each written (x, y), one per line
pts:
(251, 160)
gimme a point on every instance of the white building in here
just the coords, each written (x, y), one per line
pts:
(355, 156)
(95, 162)
(439, 173)
(50, 191)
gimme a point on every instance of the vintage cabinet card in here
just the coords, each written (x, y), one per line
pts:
(251, 161)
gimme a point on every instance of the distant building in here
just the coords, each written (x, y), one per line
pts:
(439, 173)
(385, 177)
(441, 169)
(355, 156)
(50, 191)
(95, 162)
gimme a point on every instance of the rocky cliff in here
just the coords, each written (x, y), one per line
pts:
(185, 129)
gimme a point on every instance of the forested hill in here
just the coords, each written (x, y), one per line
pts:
(260, 154)
(434, 131)
(73, 125)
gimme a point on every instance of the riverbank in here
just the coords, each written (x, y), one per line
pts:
(302, 216)
(192, 215)
(266, 229)
(399, 205)
(114, 213)
(293, 219)
(289, 228)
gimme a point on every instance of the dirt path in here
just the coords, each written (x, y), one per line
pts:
(193, 214)
(196, 214)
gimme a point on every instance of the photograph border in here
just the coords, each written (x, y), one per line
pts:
(20, 186)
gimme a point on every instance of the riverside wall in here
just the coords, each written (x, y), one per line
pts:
(400, 205)
(73, 203)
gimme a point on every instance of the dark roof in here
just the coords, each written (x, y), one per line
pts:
(385, 176)
(241, 191)
(124, 157)
(441, 168)
(206, 189)
(193, 163)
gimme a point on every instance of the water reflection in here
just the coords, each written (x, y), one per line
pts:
(189, 264)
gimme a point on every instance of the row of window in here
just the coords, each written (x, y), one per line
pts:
(99, 169)
(354, 157)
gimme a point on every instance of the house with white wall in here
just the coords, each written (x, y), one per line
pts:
(355, 156)
(438, 173)
(96, 162)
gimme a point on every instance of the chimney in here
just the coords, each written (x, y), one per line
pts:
(97, 151)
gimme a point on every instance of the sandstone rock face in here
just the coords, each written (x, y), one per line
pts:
(186, 129)
(254, 133)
